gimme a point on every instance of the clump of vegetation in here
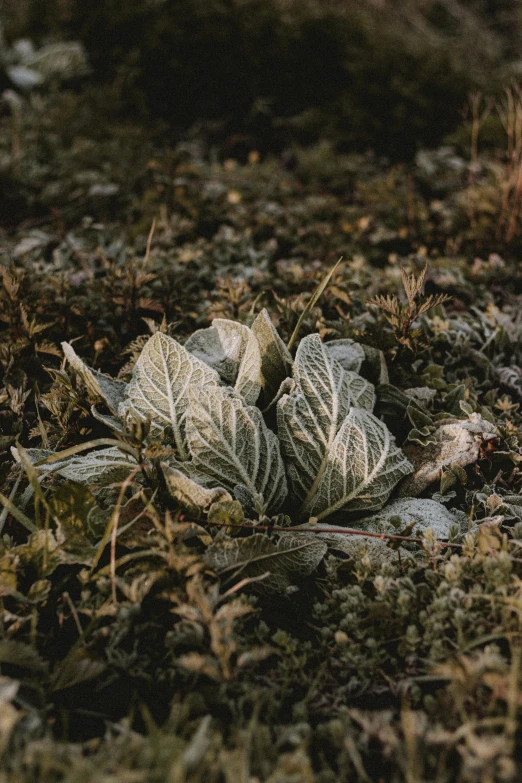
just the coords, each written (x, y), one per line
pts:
(247, 530)
(403, 317)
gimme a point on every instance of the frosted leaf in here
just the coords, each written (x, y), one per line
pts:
(423, 512)
(158, 388)
(231, 443)
(309, 418)
(231, 349)
(98, 385)
(276, 360)
(291, 558)
(348, 353)
(457, 443)
(360, 470)
(192, 496)
(35, 456)
(310, 422)
(248, 381)
(362, 392)
(422, 394)
(88, 468)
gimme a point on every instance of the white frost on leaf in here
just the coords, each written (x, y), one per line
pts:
(230, 443)
(248, 381)
(360, 470)
(158, 387)
(276, 360)
(34, 456)
(111, 391)
(457, 444)
(88, 468)
(233, 352)
(191, 495)
(338, 456)
(423, 512)
(309, 418)
(362, 392)
(348, 353)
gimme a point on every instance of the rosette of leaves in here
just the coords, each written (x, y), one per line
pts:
(329, 453)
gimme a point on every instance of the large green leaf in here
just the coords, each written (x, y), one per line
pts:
(360, 469)
(158, 388)
(348, 353)
(309, 418)
(338, 456)
(90, 468)
(231, 443)
(191, 495)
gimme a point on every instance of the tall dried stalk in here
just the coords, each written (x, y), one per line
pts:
(480, 111)
(509, 111)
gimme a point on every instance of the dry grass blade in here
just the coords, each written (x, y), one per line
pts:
(5, 510)
(312, 301)
(112, 525)
(17, 514)
(91, 444)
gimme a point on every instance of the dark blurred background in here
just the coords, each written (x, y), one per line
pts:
(390, 75)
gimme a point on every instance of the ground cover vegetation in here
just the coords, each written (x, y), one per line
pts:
(260, 439)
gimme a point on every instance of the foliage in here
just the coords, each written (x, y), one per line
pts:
(153, 627)
(337, 454)
(402, 317)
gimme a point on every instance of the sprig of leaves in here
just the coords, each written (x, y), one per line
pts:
(402, 317)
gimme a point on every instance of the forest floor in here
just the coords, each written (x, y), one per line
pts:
(127, 657)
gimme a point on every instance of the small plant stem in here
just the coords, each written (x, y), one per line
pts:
(324, 531)
(17, 514)
(74, 612)
(114, 531)
(149, 243)
(5, 510)
(108, 530)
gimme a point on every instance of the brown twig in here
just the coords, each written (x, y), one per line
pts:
(67, 598)
(149, 243)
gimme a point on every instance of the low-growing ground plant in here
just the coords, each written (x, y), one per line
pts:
(199, 410)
